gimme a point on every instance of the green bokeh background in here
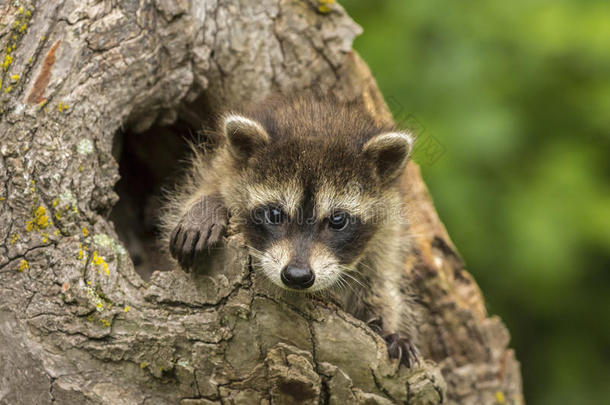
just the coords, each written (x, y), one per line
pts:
(514, 98)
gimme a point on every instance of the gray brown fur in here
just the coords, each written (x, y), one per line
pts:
(311, 158)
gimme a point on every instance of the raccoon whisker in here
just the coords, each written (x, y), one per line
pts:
(346, 272)
(252, 249)
(260, 255)
(360, 283)
(366, 267)
(257, 256)
(341, 285)
(349, 287)
(350, 269)
(258, 259)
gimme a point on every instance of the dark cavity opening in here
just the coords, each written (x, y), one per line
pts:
(150, 162)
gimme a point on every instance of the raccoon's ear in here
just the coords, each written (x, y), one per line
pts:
(389, 153)
(244, 135)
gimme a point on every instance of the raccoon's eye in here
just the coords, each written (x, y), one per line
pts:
(274, 215)
(338, 221)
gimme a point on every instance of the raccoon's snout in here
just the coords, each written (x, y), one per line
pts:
(297, 278)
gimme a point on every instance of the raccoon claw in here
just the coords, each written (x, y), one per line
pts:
(376, 324)
(402, 349)
(202, 227)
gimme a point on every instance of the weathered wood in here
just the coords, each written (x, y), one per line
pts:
(79, 325)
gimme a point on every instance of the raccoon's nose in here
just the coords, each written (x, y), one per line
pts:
(297, 277)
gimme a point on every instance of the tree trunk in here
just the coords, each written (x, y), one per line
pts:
(88, 82)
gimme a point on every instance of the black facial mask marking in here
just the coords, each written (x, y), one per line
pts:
(343, 234)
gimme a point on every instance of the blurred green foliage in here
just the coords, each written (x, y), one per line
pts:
(517, 94)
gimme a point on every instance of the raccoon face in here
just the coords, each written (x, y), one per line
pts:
(308, 206)
(305, 252)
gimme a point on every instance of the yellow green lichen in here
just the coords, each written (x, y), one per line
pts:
(82, 253)
(14, 238)
(2, 198)
(60, 211)
(40, 220)
(127, 308)
(8, 59)
(324, 6)
(105, 322)
(144, 364)
(23, 265)
(96, 298)
(19, 28)
(85, 231)
(500, 397)
(14, 77)
(61, 107)
(99, 261)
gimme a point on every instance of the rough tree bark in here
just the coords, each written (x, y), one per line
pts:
(79, 325)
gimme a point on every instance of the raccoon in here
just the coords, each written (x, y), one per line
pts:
(312, 184)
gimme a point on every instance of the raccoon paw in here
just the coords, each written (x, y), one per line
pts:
(201, 228)
(402, 349)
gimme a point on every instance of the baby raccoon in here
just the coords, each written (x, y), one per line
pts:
(312, 185)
